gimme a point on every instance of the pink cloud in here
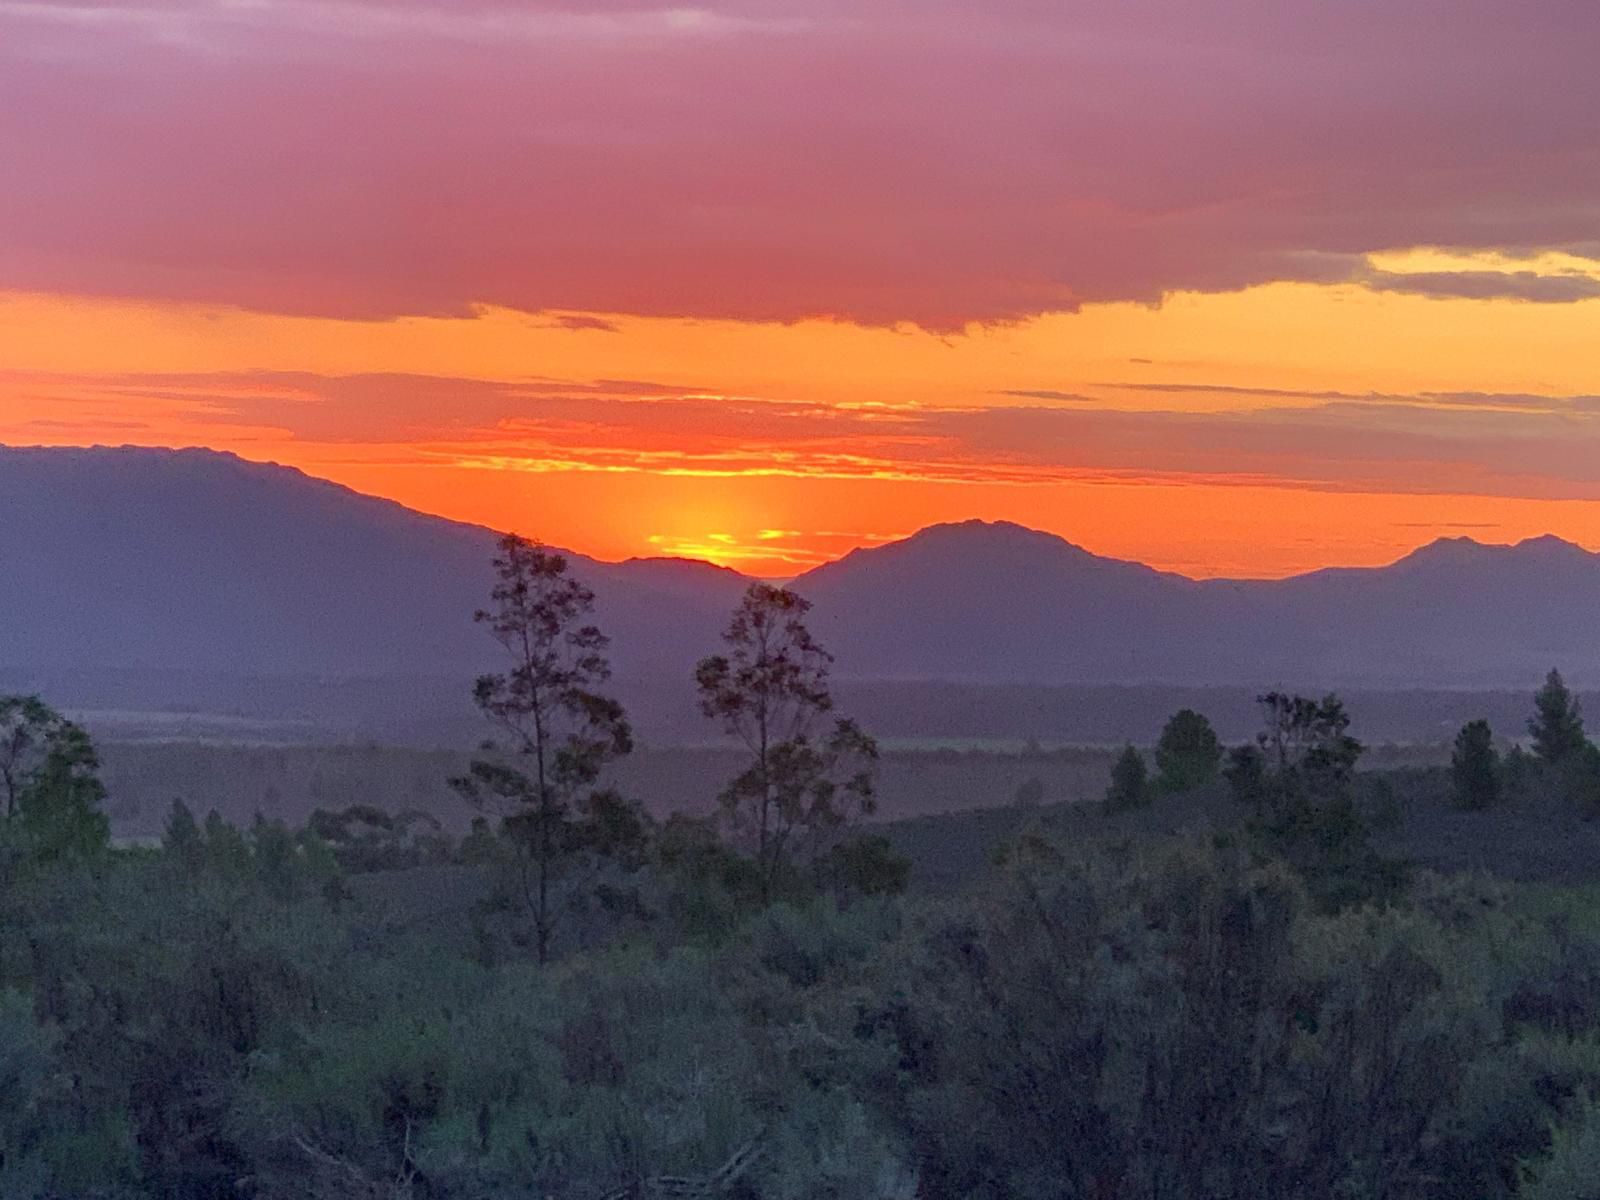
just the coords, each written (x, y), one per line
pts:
(933, 161)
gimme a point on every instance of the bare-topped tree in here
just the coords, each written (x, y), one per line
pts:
(770, 690)
(558, 730)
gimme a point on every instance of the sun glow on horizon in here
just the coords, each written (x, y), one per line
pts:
(1204, 436)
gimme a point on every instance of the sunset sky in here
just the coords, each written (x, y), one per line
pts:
(1232, 287)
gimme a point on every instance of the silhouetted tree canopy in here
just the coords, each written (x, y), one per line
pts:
(1130, 782)
(557, 728)
(1557, 723)
(1188, 755)
(1475, 767)
(769, 689)
(1581, 777)
(1098, 1011)
(1299, 781)
(49, 773)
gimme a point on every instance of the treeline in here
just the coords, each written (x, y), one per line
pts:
(1559, 760)
(1297, 785)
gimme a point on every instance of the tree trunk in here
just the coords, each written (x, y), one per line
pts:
(543, 919)
(764, 847)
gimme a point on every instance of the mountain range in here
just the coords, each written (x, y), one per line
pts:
(198, 561)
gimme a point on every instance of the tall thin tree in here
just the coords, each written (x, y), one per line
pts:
(558, 729)
(770, 690)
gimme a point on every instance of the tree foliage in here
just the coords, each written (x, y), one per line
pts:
(1205, 1032)
(1130, 782)
(1557, 723)
(557, 729)
(1475, 767)
(1580, 779)
(262, 1011)
(1299, 781)
(805, 780)
(1188, 754)
(1307, 742)
(50, 789)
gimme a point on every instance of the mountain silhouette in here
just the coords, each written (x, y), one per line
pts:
(200, 561)
(998, 602)
(193, 560)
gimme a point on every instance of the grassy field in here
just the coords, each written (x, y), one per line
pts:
(241, 779)
(287, 781)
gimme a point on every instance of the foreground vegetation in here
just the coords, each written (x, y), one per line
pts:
(233, 1014)
(250, 1013)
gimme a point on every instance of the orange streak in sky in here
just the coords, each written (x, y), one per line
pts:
(791, 444)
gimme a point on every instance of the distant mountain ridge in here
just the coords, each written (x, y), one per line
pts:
(198, 560)
(1006, 603)
(195, 560)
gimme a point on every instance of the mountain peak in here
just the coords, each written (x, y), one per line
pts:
(1458, 549)
(680, 566)
(1550, 544)
(1465, 551)
(953, 547)
(977, 530)
(195, 560)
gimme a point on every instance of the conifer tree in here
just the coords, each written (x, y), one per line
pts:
(1475, 767)
(1188, 755)
(1557, 723)
(1130, 782)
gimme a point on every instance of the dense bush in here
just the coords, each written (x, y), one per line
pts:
(1175, 1019)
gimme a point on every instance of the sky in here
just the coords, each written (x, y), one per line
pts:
(1232, 287)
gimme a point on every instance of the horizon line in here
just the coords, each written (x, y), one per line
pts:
(781, 579)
